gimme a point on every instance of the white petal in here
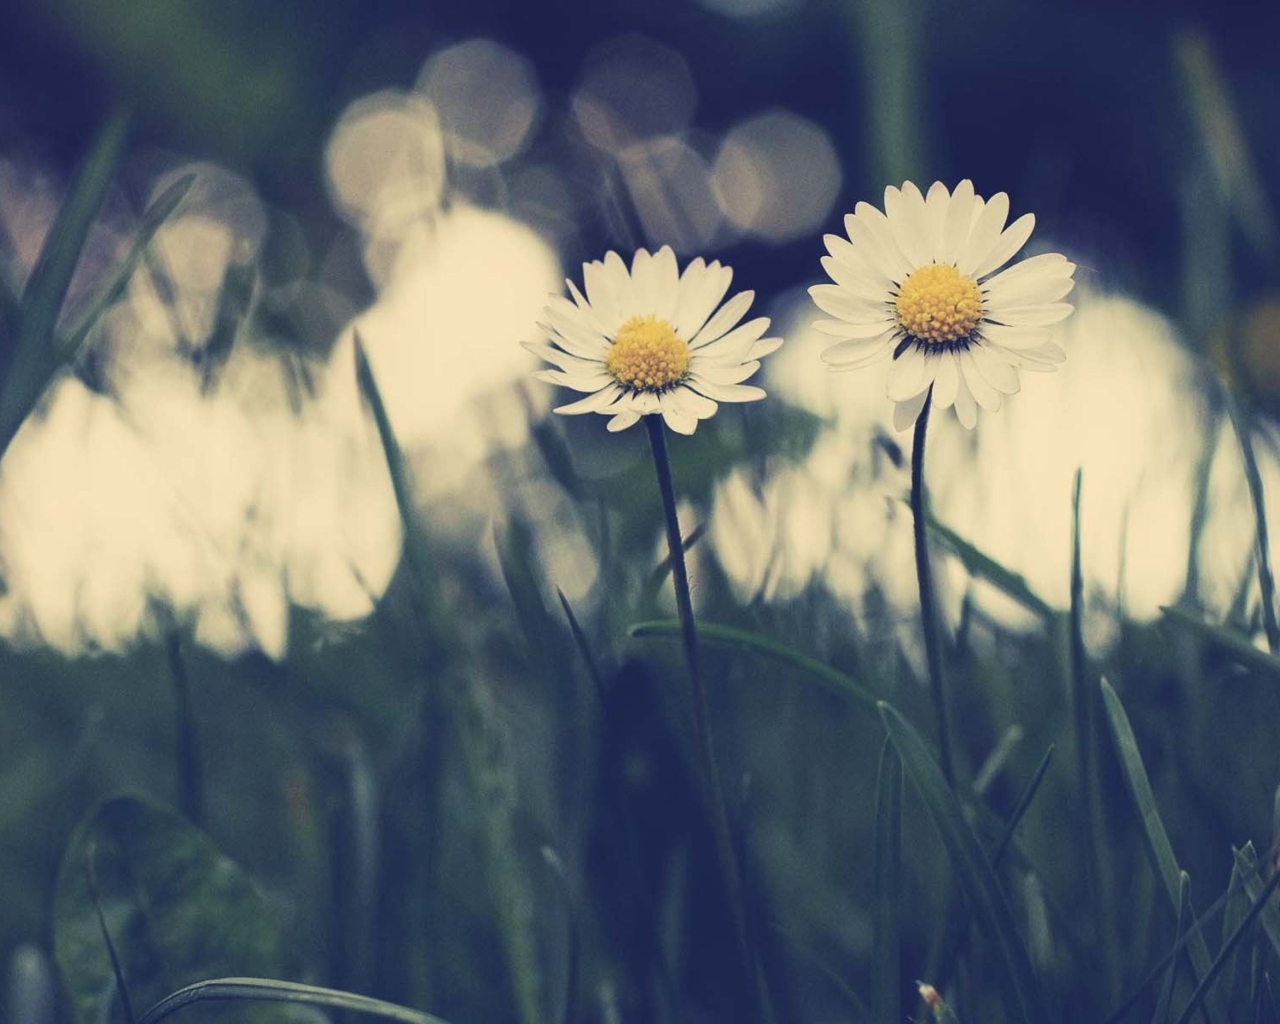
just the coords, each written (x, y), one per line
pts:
(858, 349)
(573, 381)
(571, 332)
(906, 413)
(704, 293)
(840, 302)
(734, 374)
(908, 375)
(946, 380)
(666, 283)
(677, 413)
(623, 420)
(856, 282)
(764, 347)
(1010, 241)
(985, 232)
(871, 237)
(702, 407)
(858, 262)
(557, 357)
(1053, 264)
(592, 403)
(1033, 316)
(966, 410)
(1026, 289)
(1014, 337)
(905, 212)
(728, 315)
(725, 392)
(978, 385)
(935, 213)
(602, 294)
(998, 373)
(644, 402)
(955, 229)
(734, 345)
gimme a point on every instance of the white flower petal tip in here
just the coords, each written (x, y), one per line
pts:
(643, 338)
(928, 283)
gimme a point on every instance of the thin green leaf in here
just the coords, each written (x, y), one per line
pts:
(270, 990)
(1019, 987)
(886, 967)
(553, 861)
(1022, 806)
(1156, 839)
(584, 649)
(1097, 867)
(1266, 582)
(1225, 640)
(35, 357)
(730, 636)
(1236, 905)
(415, 544)
(157, 214)
(95, 893)
(1247, 865)
(983, 566)
(1171, 975)
(1260, 905)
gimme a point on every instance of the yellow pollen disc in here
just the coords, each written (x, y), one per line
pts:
(646, 355)
(938, 304)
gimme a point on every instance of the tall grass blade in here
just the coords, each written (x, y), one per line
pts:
(1155, 838)
(741, 639)
(569, 1013)
(35, 355)
(1260, 905)
(1247, 865)
(1019, 987)
(1243, 427)
(1225, 640)
(886, 967)
(1171, 975)
(122, 985)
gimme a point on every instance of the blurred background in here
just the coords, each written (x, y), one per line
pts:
(203, 594)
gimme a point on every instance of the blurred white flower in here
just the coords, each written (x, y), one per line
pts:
(918, 283)
(653, 340)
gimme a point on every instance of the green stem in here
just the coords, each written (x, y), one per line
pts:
(928, 600)
(190, 774)
(720, 823)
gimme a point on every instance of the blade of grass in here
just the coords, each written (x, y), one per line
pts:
(1243, 427)
(1236, 905)
(886, 967)
(35, 357)
(983, 566)
(1247, 864)
(122, 986)
(1171, 975)
(1019, 988)
(1226, 640)
(1155, 838)
(584, 649)
(270, 990)
(1097, 868)
(1202, 990)
(730, 636)
(553, 861)
(164, 206)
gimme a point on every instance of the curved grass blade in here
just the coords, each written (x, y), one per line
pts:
(1259, 906)
(1226, 640)
(886, 967)
(122, 985)
(35, 357)
(1155, 838)
(730, 636)
(1019, 987)
(584, 649)
(270, 990)
(164, 206)
(983, 566)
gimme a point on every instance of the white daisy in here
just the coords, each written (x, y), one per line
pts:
(919, 284)
(653, 340)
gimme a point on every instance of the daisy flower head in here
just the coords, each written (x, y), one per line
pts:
(653, 341)
(921, 284)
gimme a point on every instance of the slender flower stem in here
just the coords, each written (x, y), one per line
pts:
(928, 600)
(720, 824)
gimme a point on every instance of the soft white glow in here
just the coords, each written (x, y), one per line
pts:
(633, 89)
(487, 97)
(670, 186)
(385, 163)
(777, 176)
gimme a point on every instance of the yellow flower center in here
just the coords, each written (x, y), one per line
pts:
(646, 355)
(938, 304)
